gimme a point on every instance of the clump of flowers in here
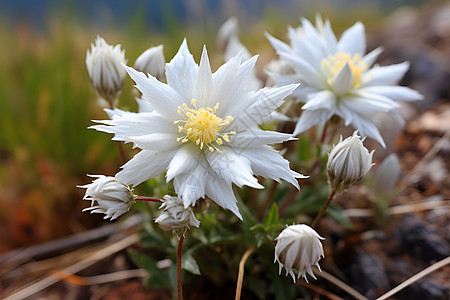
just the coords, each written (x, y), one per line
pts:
(198, 134)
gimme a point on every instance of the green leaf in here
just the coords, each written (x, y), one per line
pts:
(190, 264)
(272, 218)
(157, 277)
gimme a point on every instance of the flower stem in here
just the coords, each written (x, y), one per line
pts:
(324, 208)
(179, 283)
(142, 198)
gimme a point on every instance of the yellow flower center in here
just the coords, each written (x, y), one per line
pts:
(202, 126)
(331, 64)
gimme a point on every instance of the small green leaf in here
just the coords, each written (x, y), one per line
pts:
(272, 218)
(190, 264)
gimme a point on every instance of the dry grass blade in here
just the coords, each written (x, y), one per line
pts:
(82, 264)
(416, 277)
(241, 272)
(398, 209)
(345, 287)
(99, 279)
(321, 291)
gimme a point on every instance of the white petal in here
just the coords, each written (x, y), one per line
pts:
(309, 118)
(181, 72)
(397, 93)
(256, 138)
(268, 163)
(343, 80)
(204, 85)
(191, 185)
(156, 141)
(184, 160)
(144, 165)
(222, 193)
(385, 75)
(164, 99)
(366, 127)
(308, 51)
(132, 124)
(232, 167)
(330, 38)
(258, 106)
(321, 100)
(364, 105)
(372, 56)
(144, 105)
(353, 40)
(277, 44)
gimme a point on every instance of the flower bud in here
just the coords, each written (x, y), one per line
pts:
(348, 162)
(298, 247)
(175, 216)
(113, 197)
(152, 61)
(105, 67)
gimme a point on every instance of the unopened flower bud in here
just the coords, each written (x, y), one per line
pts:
(113, 197)
(175, 216)
(152, 61)
(105, 67)
(348, 162)
(298, 247)
(387, 174)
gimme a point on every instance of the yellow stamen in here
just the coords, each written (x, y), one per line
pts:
(331, 65)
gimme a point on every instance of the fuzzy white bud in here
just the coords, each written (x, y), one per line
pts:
(152, 61)
(105, 67)
(298, 247)
(348, 162)
(175, 216)
(113, 197)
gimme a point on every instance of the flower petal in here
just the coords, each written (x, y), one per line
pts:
(191, 185)
(353, 40)
(256, 138)
(397, 93)
(182, 71)
(184, 160)
(267, 162)
(343, 80)
(385, 75)
(309, 118)
(204, 85)
(163, 98)
(221, 192)
(156, 141)
(144, 165)
(366, 127)
(321, 100)
(232, 167)
(372, 56)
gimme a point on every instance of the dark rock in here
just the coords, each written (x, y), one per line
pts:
(418, 240)
(368, 275)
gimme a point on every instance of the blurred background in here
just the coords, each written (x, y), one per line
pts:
(47, 101)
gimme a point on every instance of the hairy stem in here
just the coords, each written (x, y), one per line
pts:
(179, 283)
(150, 199)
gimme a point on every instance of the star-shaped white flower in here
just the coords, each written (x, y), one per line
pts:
(338, 78)
(203, 130)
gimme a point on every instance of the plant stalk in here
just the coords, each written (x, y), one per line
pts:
(324, 208)
(179, 283)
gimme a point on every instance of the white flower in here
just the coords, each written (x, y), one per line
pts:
(175, 216)
(203, 130)
(298, 247)
(338, 78)
(348, 162)
(113, 197)
(387, 174)
(105, 67)
(152, 61)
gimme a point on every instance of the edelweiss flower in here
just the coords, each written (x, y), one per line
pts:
(175, 216)
(338, 78)
(113, 197)
(298, 247)
(203, 130)
(348, 162)
(104, 64)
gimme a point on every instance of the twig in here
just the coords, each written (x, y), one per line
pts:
(80, 265)
(179, 282)
(241, 272)
(320, 290)
(416, 277)
(345, 287)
